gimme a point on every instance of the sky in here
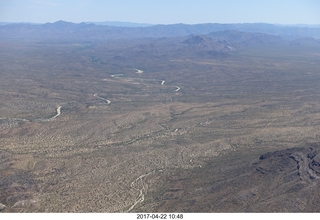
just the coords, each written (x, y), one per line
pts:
(162, 11)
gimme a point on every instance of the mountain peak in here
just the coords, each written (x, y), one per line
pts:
(61, 24)
(197, 40)
(206, 43)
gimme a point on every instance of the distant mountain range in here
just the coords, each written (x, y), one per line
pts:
(62, 30)
(121, 24)
(133, 24)
(108, 23)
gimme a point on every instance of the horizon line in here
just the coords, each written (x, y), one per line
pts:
(149, 24)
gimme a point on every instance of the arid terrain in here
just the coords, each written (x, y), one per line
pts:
(171, 124)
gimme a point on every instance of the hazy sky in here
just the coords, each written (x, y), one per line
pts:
(162, 11)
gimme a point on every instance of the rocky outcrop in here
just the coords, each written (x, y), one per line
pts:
(307, 159)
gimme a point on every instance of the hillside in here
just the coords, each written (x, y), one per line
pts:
(279, 181)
